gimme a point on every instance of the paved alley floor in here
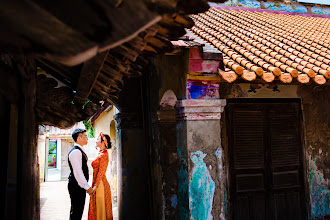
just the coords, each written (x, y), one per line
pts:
(55, 202)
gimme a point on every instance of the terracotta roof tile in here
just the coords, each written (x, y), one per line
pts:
(269, 46)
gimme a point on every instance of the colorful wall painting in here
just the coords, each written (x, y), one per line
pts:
(248, 3)
(197, 89)
(285, 7)
(282, 5)
(320, 10)
(201, 189)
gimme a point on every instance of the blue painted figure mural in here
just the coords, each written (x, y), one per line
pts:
(201, 189)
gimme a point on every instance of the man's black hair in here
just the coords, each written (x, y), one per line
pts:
(76, 133)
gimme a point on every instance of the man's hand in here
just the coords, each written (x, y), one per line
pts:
(90, 191)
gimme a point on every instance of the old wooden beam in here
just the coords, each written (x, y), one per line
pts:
(65, 74)
(28, 200)
(9, 87)
(88, 76)
(112, 73)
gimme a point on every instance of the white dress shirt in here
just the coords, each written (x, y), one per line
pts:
(75, 158)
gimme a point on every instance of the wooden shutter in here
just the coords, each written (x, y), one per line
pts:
(266, 178)
(248, 162)
(286, 169)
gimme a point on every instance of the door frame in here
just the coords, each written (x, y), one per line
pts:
(229, 153)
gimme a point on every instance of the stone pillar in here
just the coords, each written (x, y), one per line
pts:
(201, 186)
(132, 168)
(168, 161)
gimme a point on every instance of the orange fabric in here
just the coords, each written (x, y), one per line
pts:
(100, 165)
(100, 202)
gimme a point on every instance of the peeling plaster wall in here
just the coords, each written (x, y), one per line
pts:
(316, 108)
(165, 78)
(201, 176)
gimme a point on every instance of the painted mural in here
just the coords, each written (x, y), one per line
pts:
(320, 10)
(319, 192)
(201, 189)
(285, 7)
(281, 5)
(197, 89)
(248, 3)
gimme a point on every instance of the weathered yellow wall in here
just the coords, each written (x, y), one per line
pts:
(102, 124)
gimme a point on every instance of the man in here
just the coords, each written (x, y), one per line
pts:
(78, 185)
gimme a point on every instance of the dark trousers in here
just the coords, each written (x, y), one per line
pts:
(77, 196)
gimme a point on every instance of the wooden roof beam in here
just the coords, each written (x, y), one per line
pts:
(88, 77)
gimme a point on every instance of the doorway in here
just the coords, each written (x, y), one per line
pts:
(266, 163)
(53, 159)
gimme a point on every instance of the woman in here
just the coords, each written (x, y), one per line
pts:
(100, 205)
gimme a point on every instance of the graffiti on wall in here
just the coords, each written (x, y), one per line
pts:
(319, 192)
(248, 3)
(285, 5)
(197, 89)
(320, 10)
(201, 188)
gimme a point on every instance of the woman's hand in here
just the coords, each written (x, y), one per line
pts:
(94, 188)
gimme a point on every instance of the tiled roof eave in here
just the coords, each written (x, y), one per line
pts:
(268, 47)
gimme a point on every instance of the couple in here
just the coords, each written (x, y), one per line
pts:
(100, 205)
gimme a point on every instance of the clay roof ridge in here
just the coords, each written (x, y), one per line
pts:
(227, 61)
(269, 23)
(304, 50)
(253, 43)
(262, 55)
(324, 71)
(256, 59)
(294, 34)
(242, 60)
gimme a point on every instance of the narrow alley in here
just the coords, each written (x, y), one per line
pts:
(55, 202)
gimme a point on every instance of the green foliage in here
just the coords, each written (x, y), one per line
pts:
(87, 101)
(52, 146)
(89, 128)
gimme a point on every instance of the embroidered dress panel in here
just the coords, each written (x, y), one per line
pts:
(100, 165)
